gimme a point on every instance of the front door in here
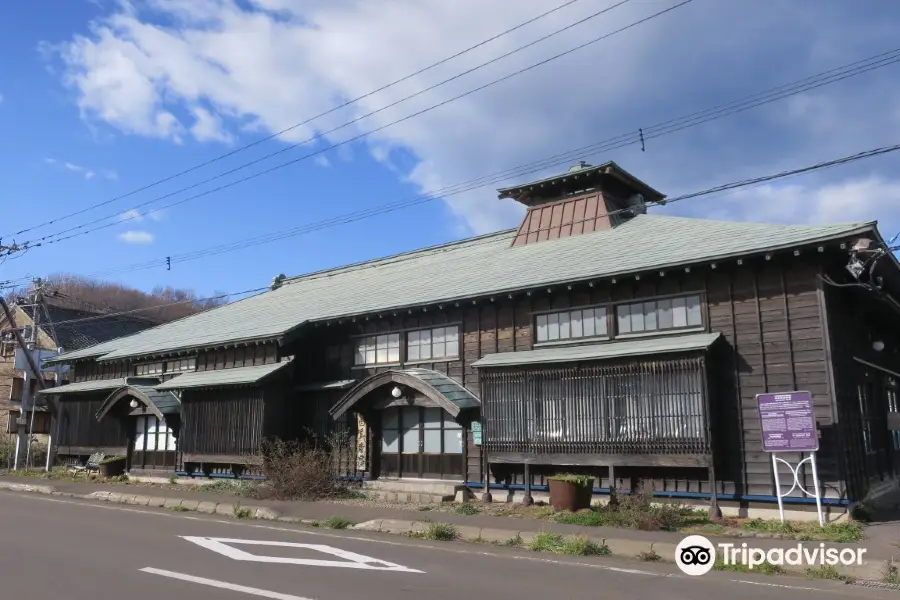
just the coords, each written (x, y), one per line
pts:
(420, 442)
(153, 445)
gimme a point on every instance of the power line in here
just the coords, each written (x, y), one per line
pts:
(300, 124)
(44, 239)
(664, 128)
(73, 323)
(631, 138)
(492, 238)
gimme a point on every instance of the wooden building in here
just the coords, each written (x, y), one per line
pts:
(593, 338)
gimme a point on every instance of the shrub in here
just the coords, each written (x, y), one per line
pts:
(241, 513)
(466, 509)
(303, 470)
(890, 574)
(634, 511)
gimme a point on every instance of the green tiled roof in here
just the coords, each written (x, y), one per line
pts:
(85, 386)
(325, 385)
(479, 266)
(606, 350)
(222, 377)
(166, 402)
(446, 386)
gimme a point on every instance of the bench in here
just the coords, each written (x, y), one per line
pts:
(92, 464)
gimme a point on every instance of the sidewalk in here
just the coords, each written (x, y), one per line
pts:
(880, 542)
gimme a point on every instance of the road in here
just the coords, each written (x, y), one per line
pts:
(61, 549)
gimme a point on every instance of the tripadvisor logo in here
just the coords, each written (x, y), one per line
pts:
(696, 555)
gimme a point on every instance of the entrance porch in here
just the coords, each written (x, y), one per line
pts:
(419, 421)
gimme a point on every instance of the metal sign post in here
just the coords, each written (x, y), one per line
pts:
(789, 425)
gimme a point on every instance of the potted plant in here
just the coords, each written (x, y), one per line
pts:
(571, 492)
(112, 466)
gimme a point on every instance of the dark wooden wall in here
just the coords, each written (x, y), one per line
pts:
(768, 312)
(245, 356)
(227, 422)
(855, 320)
(78, 426)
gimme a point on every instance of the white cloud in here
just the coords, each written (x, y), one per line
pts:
(148, 66)
(87, 173)
(322, 161)
(132, 215)
(136, 237)
(1, 98)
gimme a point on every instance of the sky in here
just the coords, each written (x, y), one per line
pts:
(99, 99)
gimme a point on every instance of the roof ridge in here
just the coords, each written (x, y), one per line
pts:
(830, 225)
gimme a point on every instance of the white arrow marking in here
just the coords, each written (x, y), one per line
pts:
(221, 584)
(225, 547)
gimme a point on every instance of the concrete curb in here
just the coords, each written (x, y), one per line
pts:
(866, 574)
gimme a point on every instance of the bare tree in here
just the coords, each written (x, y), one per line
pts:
(85, 293)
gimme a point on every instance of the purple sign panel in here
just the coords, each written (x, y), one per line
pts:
(788, 422)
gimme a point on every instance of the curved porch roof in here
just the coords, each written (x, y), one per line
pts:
(443, 390)
(159, 403)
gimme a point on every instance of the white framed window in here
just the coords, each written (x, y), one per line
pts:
(378, 349)
(438, 343)
(659, 315)
(571, 325)
(149, 369)
(184, 364)
(153, 435)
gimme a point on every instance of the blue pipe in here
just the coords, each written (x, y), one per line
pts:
(692, 495)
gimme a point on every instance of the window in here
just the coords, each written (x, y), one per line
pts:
(185, 364)
(149, 369)
(415, 430)
(378, 349)
(659, 315)
(152, 435)
(440, 343)
(571, 325)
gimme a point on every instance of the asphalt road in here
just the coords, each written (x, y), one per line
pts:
(58, 549)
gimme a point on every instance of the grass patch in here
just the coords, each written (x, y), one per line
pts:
(234, 487)
(827, 572)
(890, 574)
(635, 511)
(337, 523)
(178, 508)
(514, 541)
(441, 532)
(847, 531)
(466, 509)
(765, 568)
(651, 556)
(242, 513)
(573, 546)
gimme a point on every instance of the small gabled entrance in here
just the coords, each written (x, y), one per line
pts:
(417, 417)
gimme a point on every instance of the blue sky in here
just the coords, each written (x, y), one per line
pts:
(100, 98)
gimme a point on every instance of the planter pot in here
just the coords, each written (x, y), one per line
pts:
(112, 468)
(565, 495)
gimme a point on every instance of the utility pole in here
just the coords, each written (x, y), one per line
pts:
(37, 300)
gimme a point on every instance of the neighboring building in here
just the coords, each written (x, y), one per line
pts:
(77, 329)
(593, 338)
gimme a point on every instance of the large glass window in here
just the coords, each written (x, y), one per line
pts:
(439, 343)
(414, 430)
(659, 315)
(152, 435)
(378, 349)
(571, 324)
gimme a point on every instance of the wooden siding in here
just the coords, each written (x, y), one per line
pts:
(78, 425)
(222, 422)
(870, 453)
(767, 311)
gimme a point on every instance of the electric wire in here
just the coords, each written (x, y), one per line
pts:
(494, 239)
(300, 124)
(628, 139)
(119, 214)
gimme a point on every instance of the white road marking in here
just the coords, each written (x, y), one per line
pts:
(105, 506)
(352, 560)
(777, 585)
(221, 584)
